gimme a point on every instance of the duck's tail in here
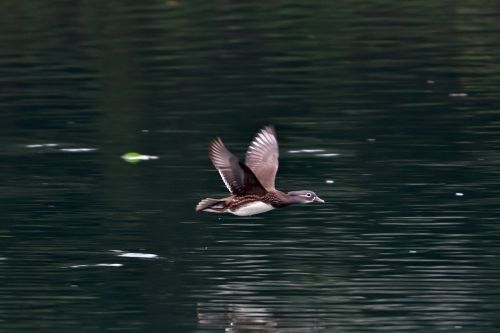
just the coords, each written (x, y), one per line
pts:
(211, 205)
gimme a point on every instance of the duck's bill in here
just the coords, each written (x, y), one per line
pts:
(318, 199)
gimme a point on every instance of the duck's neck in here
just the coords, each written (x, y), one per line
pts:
(286, 200)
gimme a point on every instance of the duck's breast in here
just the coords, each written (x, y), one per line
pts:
(252, 208)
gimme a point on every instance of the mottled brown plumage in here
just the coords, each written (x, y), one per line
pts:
(251, 183)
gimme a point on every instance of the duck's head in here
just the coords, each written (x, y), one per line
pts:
(304, 196)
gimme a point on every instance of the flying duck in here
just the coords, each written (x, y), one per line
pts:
(251, 183)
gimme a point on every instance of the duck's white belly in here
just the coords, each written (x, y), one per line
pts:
(252, 209)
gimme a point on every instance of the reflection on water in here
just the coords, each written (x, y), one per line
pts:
(246, 317)
(342, 276)
(389, 110)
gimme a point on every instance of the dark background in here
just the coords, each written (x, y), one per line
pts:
(396, 102)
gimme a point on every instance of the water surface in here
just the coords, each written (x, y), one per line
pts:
(389, 111)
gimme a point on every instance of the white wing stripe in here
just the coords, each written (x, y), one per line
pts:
(225, 181)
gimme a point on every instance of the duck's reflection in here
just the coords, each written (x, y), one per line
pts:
(246, 317)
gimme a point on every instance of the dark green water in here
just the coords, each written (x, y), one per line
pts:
(390, 111)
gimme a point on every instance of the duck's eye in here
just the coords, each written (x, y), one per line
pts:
(308, 195)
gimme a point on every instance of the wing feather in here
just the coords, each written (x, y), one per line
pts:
(262, 157)
(238, 178)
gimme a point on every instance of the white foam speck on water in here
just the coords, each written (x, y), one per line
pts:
(412, 251)
(97, 265)
(458, 94)
(459, 194)
(316, 152)
(77, 150)
(139, 255)
(41, 145)
(329, 181)
(327, 155)
(307, 151)
(149, 157)
(312, 150)
(53, 145)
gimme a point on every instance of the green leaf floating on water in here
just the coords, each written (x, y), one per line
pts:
(136, 157)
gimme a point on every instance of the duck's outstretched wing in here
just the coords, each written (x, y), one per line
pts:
(237, 177)
(262, 157)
